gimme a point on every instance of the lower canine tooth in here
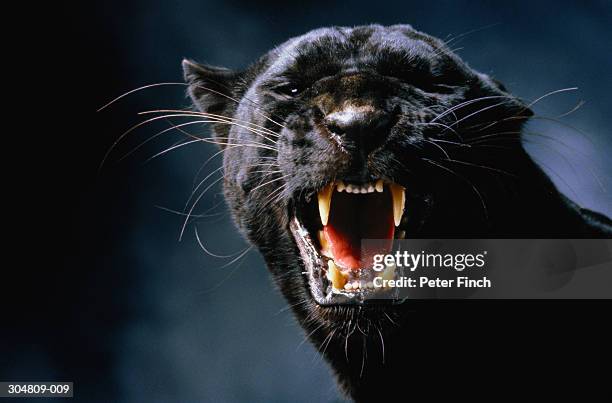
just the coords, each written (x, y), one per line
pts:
(325, 249)
(389, 273)
(335, 276)
(398, 194)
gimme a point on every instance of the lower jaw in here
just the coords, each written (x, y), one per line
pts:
(316, 271)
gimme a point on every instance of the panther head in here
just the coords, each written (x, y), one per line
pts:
(345, 134)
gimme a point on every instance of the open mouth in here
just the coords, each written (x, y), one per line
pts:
(340, 233)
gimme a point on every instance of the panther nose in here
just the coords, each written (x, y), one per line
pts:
(362, 127)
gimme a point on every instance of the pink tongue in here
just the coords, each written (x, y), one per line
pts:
(355, 217)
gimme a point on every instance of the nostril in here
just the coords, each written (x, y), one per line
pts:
(384, 123)
(334, 128)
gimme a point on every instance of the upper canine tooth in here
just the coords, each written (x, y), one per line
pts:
(379, 185)
(398, 194)
(340, 186)
(325, 196)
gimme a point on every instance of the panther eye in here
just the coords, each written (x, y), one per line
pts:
(289, 90)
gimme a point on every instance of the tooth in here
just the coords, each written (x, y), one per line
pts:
(379, 186)
(348, 286)
(399, 198)
(370, 284)
(355, 285)
(364, 190)
(340, 186)
(325, 249)
(335, 276)
(348, 188)
(370, 188)
(325, 196)
(389, 273)
(322, 240)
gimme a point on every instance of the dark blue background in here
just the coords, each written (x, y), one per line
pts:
(148, 318)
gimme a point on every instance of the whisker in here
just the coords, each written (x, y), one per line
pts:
(454, 38)
(140, 124)
(439, 147)
(382, 343)
(534, 102)
(217, 153)
(223, 120)
(176, 127)
(573, 150)
(238, 102)
(186, 85)
(268, 182)
(267, 171)
(478, 139)
(549, 169)
(466, 103)
(135, 90)
(482, 166)
(207, 114)
(167, 150)
(443, 125)
(195, 204)
(486, 214)
(546, 96)
(275, 195)
(476, 113)
(200, 184)
(549, 148)
(247, 250)
(450, 142)
(123, 135)
(574, 109)
(567, 125)
(180, 213)
(209, 252)
(221, 143)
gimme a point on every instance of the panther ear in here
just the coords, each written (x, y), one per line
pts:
(499, 84)
(210, 88)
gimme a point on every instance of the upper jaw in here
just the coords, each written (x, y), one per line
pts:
(377, 186)
(330, 279)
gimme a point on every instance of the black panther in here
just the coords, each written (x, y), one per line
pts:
(344, 134)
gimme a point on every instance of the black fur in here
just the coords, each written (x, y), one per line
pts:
(410, 78)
